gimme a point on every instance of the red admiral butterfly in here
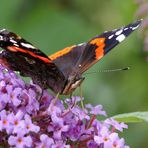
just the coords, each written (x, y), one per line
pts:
(62, 71)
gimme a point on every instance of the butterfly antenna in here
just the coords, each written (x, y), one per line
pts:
(109, 70)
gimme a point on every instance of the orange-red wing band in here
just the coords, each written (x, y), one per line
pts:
(61, 52)
(16, 49)
(100, 42)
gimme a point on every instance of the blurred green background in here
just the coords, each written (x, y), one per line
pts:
(54, 24)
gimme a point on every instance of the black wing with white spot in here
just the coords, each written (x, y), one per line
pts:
(100, 45)
(114, 37)
(13, 42)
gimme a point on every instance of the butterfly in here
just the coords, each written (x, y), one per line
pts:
(61, 71)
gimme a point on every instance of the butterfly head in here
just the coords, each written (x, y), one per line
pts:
(72, 84)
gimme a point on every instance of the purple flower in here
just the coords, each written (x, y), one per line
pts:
(3, 92)
(76, 131)
(45, 141)
(116, 141)
(54, 111)
(73, 100)
(4, 122)
(92, 144)
(109, 139)
(115, 124)
(97, 110)
(2, 105)
(20, 141)
(103, 136)
(29, 126)
(46, 99)
(32, 104)
(13, 95)
(80, 113)
(60, 145)
(58, 128)
(16, 121)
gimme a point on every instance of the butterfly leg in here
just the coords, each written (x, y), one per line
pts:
(70, 96)
(41, 94)
(73, 103)
(55, 99)
(81, 96)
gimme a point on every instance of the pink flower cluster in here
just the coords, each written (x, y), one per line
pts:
(26, 120)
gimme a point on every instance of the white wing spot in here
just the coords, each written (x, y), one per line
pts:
(13, 41)
(80, 44)
(133, 28)
(125, 29)
(111, 36)
(1, 37)
(119, 32)
(120, 38)
(16, 45)
(2, 30)
(27, 45)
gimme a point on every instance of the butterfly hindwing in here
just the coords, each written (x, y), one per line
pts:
(67, 58)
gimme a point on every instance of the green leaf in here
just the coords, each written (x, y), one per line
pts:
(133, 117)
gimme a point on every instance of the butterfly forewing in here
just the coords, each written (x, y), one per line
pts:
(97, 47)
(22, 56)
